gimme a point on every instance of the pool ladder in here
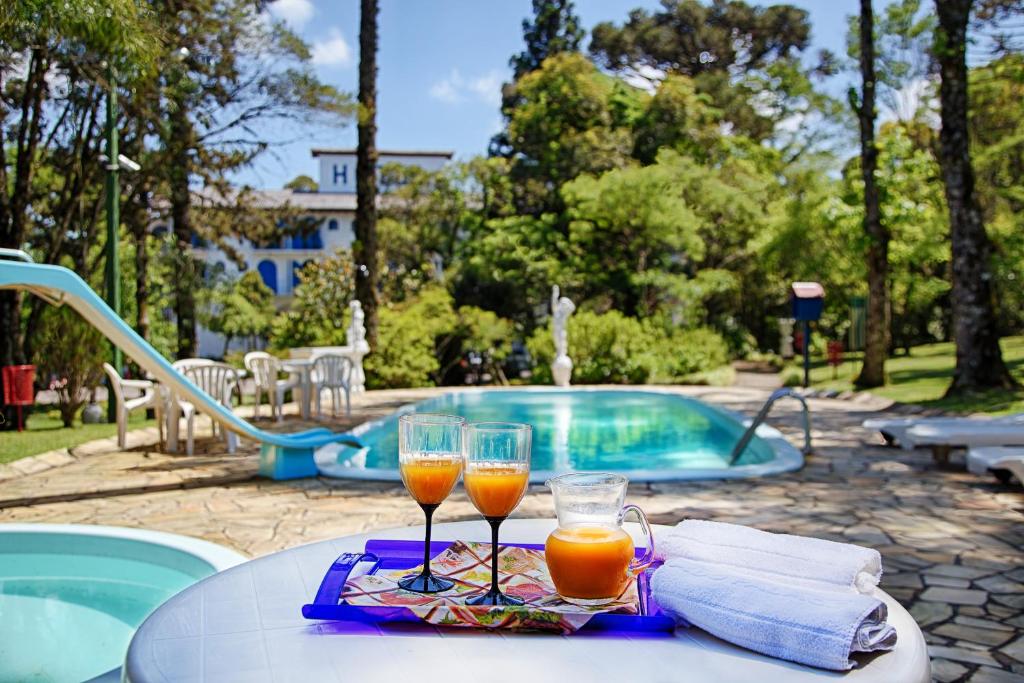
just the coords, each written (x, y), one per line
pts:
(762, 414)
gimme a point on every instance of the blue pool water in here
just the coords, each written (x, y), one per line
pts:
(650, 435)
(70, 602)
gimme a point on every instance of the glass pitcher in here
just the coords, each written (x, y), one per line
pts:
(590, 558)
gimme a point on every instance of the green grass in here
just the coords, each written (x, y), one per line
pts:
(923, 377)
(45, 432)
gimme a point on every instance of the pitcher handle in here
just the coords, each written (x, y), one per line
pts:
(638, 565)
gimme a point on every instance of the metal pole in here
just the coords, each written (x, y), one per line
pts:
(807, 353)
(113, 273)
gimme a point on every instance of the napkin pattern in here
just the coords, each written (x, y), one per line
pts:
(522, 573)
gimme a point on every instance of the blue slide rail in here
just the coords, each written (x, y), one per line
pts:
(282, 456)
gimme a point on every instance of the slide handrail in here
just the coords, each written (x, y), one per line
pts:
(58, 285)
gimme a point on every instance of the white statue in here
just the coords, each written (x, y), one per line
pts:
(357, 346)
(561, 309)
(355, 335)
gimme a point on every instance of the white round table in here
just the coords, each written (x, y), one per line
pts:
(245, 624)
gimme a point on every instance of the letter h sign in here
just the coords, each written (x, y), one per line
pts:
(342, 173)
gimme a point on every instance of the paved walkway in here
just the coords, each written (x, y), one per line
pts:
(953, 543)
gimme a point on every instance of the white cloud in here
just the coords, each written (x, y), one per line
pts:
(456, 88)
(295, 12)
(332, 51)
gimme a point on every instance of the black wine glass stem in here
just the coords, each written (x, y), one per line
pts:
(428, 510)
(495, 523)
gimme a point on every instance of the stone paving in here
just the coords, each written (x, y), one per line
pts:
(952, 543)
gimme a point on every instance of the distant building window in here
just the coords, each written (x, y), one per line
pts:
(310, 240)
(332, 224)
(268, 272)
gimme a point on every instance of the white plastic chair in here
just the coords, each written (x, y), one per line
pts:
(151, 397)
(334, 373)
(219, 381)
(265, 370)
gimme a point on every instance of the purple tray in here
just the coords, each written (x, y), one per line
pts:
(384, 555)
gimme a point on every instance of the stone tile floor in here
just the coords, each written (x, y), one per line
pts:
(952, 543)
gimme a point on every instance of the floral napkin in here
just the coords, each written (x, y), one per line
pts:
(522, 573)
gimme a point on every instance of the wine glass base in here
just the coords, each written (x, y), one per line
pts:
(425, 583)
(498, 598)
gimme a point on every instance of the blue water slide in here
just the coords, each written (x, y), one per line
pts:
(282, 456)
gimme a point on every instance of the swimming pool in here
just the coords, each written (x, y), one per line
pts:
(71, 596)
(645, 434)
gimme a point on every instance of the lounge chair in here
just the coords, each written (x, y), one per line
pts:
(970, 433)
(1002, 461)
(894, 430)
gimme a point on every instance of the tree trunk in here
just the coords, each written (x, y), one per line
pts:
(979, 360)
(364, 251)
(876, 343)
(181, 215)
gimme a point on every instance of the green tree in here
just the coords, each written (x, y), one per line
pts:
(46, 126)
(876, 347)
(230, 74)
(570, 119)
(632, 232)
(719, 44)
(979, 360)
(302, 183)
(365, 248)
(242, 307)
(554, 28)
(318, 314)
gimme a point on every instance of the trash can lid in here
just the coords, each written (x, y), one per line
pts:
(808, 290)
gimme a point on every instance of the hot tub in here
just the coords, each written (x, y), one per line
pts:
(71, 596)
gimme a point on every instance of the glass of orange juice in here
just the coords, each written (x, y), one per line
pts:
(430, 462)
(497, 472)
(590, 558)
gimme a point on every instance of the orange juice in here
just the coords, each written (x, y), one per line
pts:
(430, 479)
(589, 562)
(496, 488)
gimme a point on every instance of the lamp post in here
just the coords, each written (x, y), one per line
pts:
(113, 272)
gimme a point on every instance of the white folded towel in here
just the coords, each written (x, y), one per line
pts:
(795, 620)
(809, 559)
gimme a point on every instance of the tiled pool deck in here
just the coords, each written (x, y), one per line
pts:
(953, 543)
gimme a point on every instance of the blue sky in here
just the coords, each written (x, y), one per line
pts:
(441, 66)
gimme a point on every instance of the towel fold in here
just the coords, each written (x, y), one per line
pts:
(808, 559)
(796, 620)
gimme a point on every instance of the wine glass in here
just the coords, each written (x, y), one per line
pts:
(496, 473)
(430, 461)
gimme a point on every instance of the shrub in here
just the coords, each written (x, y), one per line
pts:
(422, 340)
(686, 352)
(605, 349)
(69, 354)
(614, 349)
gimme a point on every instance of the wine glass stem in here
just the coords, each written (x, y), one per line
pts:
(428, 510)
(495, 522)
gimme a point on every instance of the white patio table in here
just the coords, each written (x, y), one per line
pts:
(244, 624)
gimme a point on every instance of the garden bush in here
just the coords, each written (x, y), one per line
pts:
(69, 354)
(611, 348)
(421, 341)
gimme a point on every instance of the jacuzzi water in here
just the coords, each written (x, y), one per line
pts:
(644, 434)
(70, 602)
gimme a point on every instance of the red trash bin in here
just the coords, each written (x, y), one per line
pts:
(18, 388)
